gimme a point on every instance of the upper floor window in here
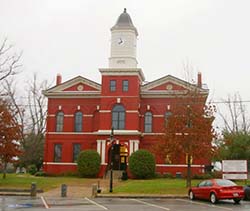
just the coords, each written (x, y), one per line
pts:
(78, 121)
(125, 85)
(59, 121)
(76, 151)
(118, 117)
(57, 152)
(148, 122)
(167, 115)
(112, 85)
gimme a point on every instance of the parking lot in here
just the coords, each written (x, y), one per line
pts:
(114, 204)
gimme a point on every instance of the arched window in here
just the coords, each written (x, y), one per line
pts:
(167, 115)
(59, 121)
(118, 117)
(78, 121)
(148, 122)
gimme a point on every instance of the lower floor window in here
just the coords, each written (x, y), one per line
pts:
(76, 151)
(57, 152)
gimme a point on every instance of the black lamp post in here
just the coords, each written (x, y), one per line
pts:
(111, 160)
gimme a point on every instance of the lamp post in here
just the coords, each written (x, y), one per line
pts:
(111, 160)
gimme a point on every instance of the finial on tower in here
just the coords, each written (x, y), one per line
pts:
(125, 10)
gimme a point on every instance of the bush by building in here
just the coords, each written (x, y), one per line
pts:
(88, 163)
(142, 164)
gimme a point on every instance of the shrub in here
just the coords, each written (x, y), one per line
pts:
(32, 169)
(142, 164)
(202, 176)
(40, 174)
(88, 163)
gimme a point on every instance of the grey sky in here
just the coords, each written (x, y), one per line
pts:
(72, 37)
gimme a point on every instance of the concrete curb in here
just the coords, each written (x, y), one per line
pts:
(140, 196)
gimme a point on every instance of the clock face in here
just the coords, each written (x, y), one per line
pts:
(120, 41)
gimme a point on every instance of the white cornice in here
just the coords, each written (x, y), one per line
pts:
(72, 94)
(118, 132)
(123, 71)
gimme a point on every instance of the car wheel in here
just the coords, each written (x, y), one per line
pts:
(191, 195)
(237, 201)
(213, 198)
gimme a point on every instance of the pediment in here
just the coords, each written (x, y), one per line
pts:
(76, 85)
(170, 84)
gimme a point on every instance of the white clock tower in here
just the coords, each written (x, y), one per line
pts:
(123, 43)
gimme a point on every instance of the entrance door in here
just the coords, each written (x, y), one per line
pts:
(118, 156)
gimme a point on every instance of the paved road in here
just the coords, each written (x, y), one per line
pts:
(114, 204)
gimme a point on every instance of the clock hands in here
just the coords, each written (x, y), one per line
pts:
(120, 41)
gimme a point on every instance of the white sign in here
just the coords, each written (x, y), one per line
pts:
(234, 169)
(234, 166)
(235, 176)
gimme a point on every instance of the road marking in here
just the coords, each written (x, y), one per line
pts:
(93, 202)
(204, 204)
(45, 203)
(149, 204)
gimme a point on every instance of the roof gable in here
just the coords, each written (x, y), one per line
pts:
(78, 85)
(169, 85)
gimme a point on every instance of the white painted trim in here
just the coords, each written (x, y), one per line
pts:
(51, 115)
(132, 111)
(88, 115)
(179, 165)
(71, 133)
(118, 132)
(105, 111)
(59, 163)
(68, 115)
(158, 115)
(153, 134)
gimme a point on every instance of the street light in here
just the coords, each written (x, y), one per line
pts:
(111, 160)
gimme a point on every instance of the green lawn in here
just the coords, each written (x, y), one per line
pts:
(45, 183)
(157, 186)
(154, 186)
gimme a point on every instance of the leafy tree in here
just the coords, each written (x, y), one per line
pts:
(88, 163)
(235, 146)
(188, 131)
(142, 164)
(9, 136)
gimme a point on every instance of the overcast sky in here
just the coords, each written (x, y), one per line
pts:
(72, 37)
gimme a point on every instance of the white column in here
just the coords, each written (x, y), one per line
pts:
(103, 151)
(98, 147)
(136, 145)
(133, 146)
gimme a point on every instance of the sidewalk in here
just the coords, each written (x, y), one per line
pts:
(85, 190)
(78, 191)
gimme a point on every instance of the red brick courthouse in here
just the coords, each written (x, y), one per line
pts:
(82, 112)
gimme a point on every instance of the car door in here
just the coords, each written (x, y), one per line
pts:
(207, 189)
(200, 190)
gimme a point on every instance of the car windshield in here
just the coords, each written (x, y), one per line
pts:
(223, 182)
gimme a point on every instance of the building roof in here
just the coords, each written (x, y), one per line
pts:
(124, 22)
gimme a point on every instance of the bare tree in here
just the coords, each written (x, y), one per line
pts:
(9, 60)
(31, 112)
(235, 115)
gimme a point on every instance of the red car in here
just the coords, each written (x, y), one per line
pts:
(217, 189)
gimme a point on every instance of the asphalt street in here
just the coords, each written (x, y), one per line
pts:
(114, 204)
